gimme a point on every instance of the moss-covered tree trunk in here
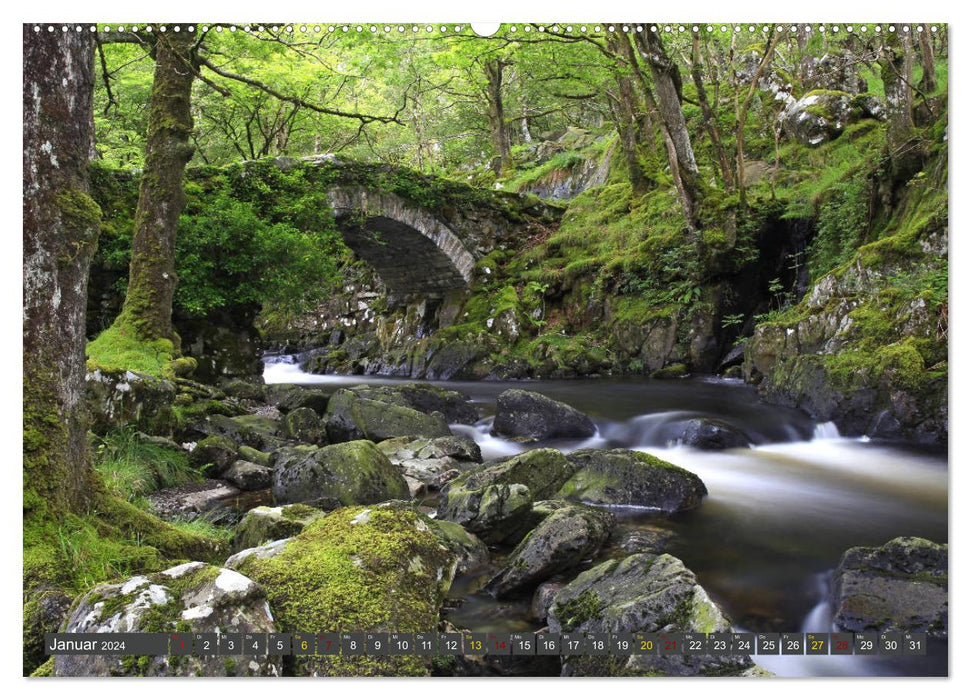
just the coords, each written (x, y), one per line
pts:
(906, 153)
(497, 114)
(61, 225)
(625, 107)
(151, 279)
(667, 85)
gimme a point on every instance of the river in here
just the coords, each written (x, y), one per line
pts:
(778, 516)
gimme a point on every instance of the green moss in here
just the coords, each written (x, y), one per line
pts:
(586, 606)
(355, 570)
(119, 348)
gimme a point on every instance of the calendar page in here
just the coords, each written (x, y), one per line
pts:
(525, 349)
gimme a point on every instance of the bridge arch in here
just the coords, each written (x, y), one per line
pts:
(413, 252)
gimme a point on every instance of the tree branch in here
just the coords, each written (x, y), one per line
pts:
(363, 118)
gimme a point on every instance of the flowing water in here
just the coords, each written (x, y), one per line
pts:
(778, 516)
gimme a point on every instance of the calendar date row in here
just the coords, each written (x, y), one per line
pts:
(488, 643)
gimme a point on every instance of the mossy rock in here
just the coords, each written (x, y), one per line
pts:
(45, 610)
(304, 425)
(529, 415)
(289, 397)
(492, 501)
(191, 597)
(124, 398)
(901, 586)
(642, 593)
(367, 569)
(337, 475)
(250, 429)
(627, 477)
(350, 417)
(569, 534)
(265, 524)
(251, 454)
(214, 454)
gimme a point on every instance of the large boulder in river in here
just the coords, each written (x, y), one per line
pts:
(712, 434)
(193, 597)
(337, 475)
(899, 587)
(265, 524)
(365, 569)
(352, 415)
(526, 414)
(627, 478)
(569, 534)
(642, 593)
(493, 500)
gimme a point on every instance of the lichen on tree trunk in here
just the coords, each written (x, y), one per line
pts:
(152, 278)
(61, 224)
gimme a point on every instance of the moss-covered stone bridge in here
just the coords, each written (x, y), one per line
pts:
(423, 235)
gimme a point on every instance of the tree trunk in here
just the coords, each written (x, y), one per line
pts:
(161, 198)
(906, 155)
(667, 85)
(497, 115)
(687, 194)
(711, 122)
(61, 224)
(928, 81)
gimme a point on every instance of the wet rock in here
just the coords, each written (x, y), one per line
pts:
(494, 499)
(626, 477)
(351, 416)
(367, 569)
(526, 414)
(214, 455)
(337, 475)
(566, 537)
(543, 598)
(642, 593)
(266, 524)
(249, 476)
(193, 597)
(712, 434)
(899, 587)
(649, 539)
(304, 425)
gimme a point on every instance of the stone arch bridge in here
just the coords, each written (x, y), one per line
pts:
(423, 235)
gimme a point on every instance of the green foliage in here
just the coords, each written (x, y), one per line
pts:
(841, 225)
(228, 256)
(131, 467)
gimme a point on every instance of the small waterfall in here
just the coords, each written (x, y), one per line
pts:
(826, 431)
(820, 618)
